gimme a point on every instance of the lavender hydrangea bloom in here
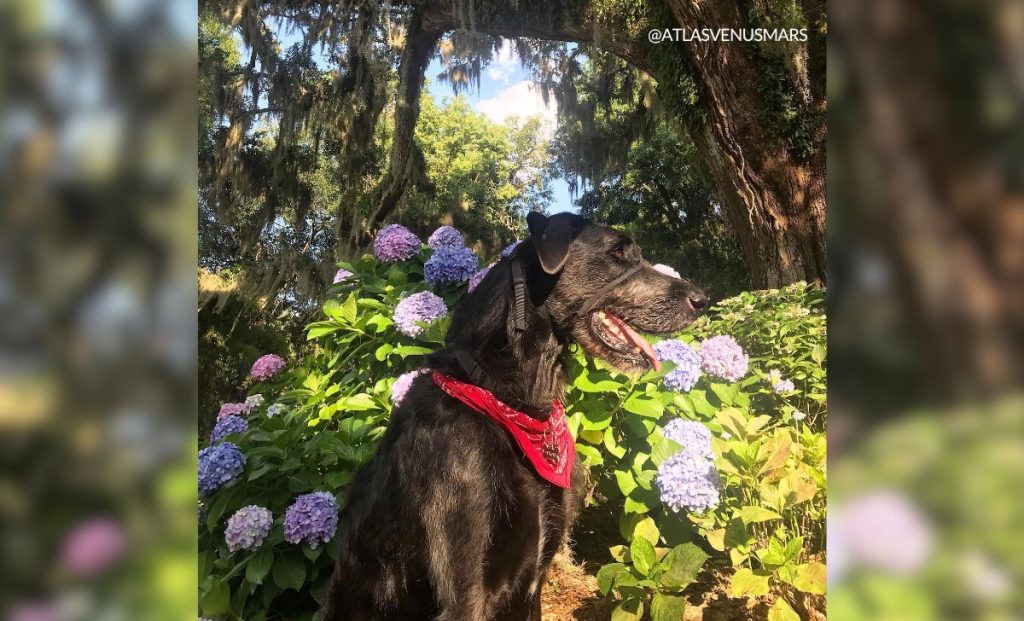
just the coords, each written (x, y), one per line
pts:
(723, 357)
(394, 242)
(445, 236)
(509, 249)
(312, 518)
(780, 385)
(266, 367)
(233, 409)
(93, 546)
(219, 466)
(477, 278)
(418, 307)
(227, 426)
(450, 264)
(688, 481)
(664, 269)
(254, 401)
(275, 409)
(694, 437)
(402, 385)
(247, 528)
(687, 371)
(341, 275)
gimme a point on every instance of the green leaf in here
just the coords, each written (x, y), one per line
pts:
(644, 406)
(667, 608)
(412, 350)
(746, 582)
(584, 383)
(810, 578)
(357, 403)
(349, 309)
(607, 575)
(642, 553)
(382, 352)
(626, 481)
(631, 609)
(782, 611)
(260, 564)
(752, 514)
(682, 564)
(289, 572)
(217, 600)
(647, 529)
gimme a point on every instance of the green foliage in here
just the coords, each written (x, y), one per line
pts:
(337, 401)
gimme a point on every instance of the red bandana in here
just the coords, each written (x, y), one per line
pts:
(548, 445)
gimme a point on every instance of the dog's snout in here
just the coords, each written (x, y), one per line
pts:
(697, 301)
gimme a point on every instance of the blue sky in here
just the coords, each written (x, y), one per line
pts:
(504, 90)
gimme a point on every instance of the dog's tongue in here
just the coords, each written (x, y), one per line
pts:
(642, 343)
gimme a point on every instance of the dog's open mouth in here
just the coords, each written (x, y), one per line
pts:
(619, 337)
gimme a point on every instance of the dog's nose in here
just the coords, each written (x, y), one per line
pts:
(698, 301)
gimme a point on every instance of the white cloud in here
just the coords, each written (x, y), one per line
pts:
(504, 63)
(522, 100)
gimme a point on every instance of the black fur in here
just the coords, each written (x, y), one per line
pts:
(449, 521)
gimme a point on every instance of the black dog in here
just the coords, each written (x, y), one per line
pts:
(449, 520)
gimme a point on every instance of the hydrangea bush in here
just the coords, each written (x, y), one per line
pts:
(710, 469)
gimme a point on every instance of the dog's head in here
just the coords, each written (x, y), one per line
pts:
(603, 292)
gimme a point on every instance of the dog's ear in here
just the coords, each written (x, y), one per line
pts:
(552, 237)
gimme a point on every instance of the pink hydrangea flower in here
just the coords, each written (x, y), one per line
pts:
(93, 546)
(267, 366)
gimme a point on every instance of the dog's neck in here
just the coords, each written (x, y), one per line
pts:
(524, 369)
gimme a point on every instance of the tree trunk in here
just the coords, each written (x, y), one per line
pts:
(773, 200)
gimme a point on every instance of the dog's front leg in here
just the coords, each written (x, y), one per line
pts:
(457, 540)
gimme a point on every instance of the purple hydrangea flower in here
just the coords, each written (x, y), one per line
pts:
(509, 249)
(449, 265)
(884, 530)
(694, 437)
(419, 307)
(477, 278)
(394, 242)
(341, 275)
(723, 357)
(227, 426)
(219, 466)
(247, 528)
(664, 269)
(780, 385)
(445, 236)
(689, 481)
(233, 409)
(402, 385)
(93, 546)
(266, 367)
(687, 371)
(312, 518)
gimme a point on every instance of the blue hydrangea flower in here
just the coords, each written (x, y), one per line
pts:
(402, 385)
(687, 371)
(394, 242)
(509, 249)
(419, 307)
(247, 528)
(694, 437)
(275, 409)
(312, 518)
(723, 357)
(445, 236)
(664, 269)
(689, 481)
(227, 426)
(477, 278)
(219, 466)
(341, 275)
(450, 264)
